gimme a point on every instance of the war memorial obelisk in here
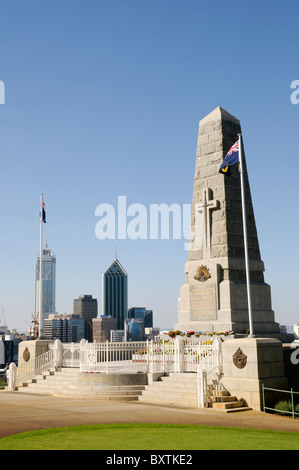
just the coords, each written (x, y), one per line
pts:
(214, 297)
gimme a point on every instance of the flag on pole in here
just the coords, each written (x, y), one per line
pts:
(231, 158)
(43, 215)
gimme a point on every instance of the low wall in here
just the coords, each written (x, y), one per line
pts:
(32, 349)
(112, 379)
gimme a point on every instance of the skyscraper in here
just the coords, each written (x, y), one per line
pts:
(48, 283)
(138, 319)
(115, 293)
(101, 328)
(66, 327)
(144, 314)
(87, 308)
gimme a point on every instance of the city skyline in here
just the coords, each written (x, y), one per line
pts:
(119, 118)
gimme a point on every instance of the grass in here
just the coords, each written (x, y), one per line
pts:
(150, 437)
(2, 382)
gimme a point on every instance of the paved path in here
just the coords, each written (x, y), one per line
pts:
(22, 412)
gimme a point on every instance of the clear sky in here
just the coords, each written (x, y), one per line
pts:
(103, 99)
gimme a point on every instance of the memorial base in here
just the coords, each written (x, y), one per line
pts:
(29, 350)
(250, 363)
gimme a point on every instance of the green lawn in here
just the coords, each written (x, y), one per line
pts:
(150, 437)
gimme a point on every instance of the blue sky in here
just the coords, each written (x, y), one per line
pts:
(103, 98)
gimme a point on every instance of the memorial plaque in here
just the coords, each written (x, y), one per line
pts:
(203, 303)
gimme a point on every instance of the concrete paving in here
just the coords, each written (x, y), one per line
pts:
(23, 412)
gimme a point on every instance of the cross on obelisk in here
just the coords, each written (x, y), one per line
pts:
(204, 212)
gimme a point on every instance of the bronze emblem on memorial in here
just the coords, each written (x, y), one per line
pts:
(26, 355)
(239, 359)
(202, 274)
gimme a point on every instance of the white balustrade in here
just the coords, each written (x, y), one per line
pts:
(177, 356)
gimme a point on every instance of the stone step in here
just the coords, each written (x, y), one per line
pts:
(170, 387)
(222, 399)
(169, 393)
(102, 397)
(184, 377)
(63, 392)
(219, 393)
(228, 405)
(168, 400)
(234, 410)
(110, 388)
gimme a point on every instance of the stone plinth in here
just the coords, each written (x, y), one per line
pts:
(32, 349)
(250, 362)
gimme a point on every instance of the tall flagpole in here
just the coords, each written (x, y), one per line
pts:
(245, 237)
(41, 269)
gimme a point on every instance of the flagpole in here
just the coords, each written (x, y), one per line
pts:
(245, 238)
(41, 269)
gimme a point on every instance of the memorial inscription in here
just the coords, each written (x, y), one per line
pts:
(203, 304)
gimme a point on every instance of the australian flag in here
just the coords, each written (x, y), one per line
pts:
(231, 158)
(43, 214)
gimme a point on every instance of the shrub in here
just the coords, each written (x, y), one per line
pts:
(285, 407)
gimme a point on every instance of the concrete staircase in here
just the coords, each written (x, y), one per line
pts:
(181, 390)
(221, 400)
(174, 389)
(64, 383)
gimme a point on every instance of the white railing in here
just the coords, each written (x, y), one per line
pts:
(114, 358)
(150, 356)
(143, 356)
(28, 370)
(71, 355)
(209, 367)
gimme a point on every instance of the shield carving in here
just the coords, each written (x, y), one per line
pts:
(26, 354)
(239, 359)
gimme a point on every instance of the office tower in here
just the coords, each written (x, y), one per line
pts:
(67, 327)
(144, 314)
(48, 284)
(134, 329)
(115, 293)
(138, 319)
(117, 336)
(87, 308)
(101, 328)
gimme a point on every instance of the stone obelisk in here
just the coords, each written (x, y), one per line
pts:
(214, 297)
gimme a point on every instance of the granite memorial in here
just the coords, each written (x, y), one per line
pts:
(214, 296)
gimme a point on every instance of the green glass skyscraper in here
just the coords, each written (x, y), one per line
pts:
(115, 293)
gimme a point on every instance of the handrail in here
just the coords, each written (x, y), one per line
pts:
(209, 367)
(27, 370)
